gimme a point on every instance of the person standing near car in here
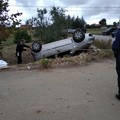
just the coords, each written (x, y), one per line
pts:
(116, 49)
(19, 49)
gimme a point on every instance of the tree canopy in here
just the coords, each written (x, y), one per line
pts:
(103, 22)
(6, 20)
(53, 28)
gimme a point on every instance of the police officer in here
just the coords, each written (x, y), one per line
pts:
(19, 49)
(116, 49)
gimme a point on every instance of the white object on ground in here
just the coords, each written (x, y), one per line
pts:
(28, 67)
(3, 64)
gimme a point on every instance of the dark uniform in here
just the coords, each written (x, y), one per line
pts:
(19, 50)
(116, 49)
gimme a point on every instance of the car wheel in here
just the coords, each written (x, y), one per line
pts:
(36, 46)
(78, 36)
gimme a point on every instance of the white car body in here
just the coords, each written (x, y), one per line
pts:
(61, 46)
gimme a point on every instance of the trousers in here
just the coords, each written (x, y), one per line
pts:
(118, 73)
(19, 57)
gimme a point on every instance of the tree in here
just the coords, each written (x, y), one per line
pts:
(79, 23)
(40, 23)
(69, 22)
(6, 20)
(21, 34)
(103, 22)
(14, 20)
(30, 21)
(59, 22)
(49, 30)
(53, 29)
(115, 24)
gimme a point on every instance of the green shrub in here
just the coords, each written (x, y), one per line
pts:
(45, 62)
(21, 34)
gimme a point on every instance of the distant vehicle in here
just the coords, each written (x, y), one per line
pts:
(80, 40)
(114, 33)
(108, 31)
(71, 30)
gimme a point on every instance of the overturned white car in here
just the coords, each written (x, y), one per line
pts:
(79, 41)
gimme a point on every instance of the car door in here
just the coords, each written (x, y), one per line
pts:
(48, 50)
(63, 45)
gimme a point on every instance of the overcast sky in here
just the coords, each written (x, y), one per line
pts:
(92, 10)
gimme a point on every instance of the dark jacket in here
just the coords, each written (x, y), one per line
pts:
(20, 48)
(116, 45)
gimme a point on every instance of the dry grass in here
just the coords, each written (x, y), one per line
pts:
(9, 55)
(94, 54)
(102, 44)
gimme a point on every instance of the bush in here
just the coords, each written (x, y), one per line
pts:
(45, 62)
(21, 34)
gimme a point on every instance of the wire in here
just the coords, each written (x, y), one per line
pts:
(63, 6)
(71, 9)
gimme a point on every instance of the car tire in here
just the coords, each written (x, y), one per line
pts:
(36, 46)
(78, 36)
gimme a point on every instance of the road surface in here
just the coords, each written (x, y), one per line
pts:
(79, 93)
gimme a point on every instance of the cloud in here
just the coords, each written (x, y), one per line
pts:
(74, 2)
(53, 2)
(95, 9)
(91, 10)
(27, 2)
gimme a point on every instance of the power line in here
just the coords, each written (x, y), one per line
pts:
(71, 9)
(94, 10)
(63, 6)
(33, 8)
